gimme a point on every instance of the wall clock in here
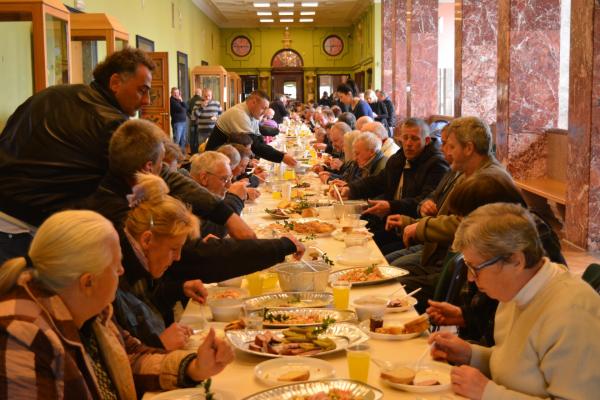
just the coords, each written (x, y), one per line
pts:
(241, 46)
(333, 45)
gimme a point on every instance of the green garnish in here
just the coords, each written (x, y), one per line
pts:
(275, 317)
(323, 327)
(308, 238)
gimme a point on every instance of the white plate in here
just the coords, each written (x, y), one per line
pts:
(362, 261)
(268, 371)
(411, 303)
(341, 236)
(364, 326)
(191, 394)
(336, 332)
(438, 371)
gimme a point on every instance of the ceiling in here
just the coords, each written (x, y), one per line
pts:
(243, 14)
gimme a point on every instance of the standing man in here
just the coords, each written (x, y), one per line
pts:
(192, 105)
(207, 116)
(244, 118)
(178, 119)
(389, 106)
(278, 105)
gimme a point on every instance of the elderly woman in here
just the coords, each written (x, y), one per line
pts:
(547, 323)
(58, 338)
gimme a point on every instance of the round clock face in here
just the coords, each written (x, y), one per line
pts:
(333, 45)
(241, 46)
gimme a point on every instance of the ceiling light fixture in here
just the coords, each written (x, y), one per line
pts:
(307, 13)
(310, 4)
(306, 20)
(262, 5)
(287, 20)
(286, 13)
(266, 20)
(262, 13)
(285, 5)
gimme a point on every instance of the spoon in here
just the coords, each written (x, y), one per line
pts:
(337, 191)
(408, 294)
(308, 265)
(395, 291)
(425, 353)
(383, 364)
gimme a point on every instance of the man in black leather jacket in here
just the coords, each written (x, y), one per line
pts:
(54, 148)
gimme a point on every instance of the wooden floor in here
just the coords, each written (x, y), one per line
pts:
(579, 260)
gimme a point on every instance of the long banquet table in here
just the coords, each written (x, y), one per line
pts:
(237, 380)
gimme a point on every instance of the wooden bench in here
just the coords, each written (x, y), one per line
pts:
(550, 189)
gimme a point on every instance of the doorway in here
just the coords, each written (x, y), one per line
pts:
(290, 83)
(249, 84)
(183, 75)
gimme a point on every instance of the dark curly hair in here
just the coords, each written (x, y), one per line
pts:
(123, 61)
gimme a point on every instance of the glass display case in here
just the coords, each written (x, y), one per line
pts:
(213, 78)
(235, 88)
(50, 37)
(93, 37)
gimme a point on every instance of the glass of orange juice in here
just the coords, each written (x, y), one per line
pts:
(289, 174)
(359, 358)
(341, 294)
(255, 283)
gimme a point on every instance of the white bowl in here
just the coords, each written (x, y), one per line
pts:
(365, 306)
(226, 310)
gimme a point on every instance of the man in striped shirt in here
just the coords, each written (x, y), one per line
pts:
(206, 115)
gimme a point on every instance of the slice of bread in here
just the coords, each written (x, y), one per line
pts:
(419, 324)
(402, 375)
(295, 376)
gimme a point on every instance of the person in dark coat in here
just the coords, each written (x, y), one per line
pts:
(390, 111)
(278, 106)
(357, 106)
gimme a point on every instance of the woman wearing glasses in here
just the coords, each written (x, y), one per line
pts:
(547, 322)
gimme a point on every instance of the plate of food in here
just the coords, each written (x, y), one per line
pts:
(428, 378)
(297, 341)
(340, 234)
(359, 256)
(363, 276)
(290, 299)
(217, 293)
(280, 318)
(300, 226)
(401, 304)
(328, 389)
(397, 330)
(281, 371)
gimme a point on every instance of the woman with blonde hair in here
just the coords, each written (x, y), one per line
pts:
(155, 230)
(57, 338)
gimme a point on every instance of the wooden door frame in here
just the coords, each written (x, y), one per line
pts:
(299, 72)
(160, 114)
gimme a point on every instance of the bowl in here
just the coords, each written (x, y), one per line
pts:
(298, 277)
(366, 306)
(226, 310)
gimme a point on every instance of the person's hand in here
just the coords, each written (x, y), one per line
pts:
(468, 382)
(409, 234)
(344, 192)
(175, 336)
(317, 168)
(324, 176)
(195, 290)
(320, 146)
(213, 355)
(336, 163)
(262, 175)
(442, 313)
(381, 208)
(289, 160)
(339, 183)
(206, 238)
(238, 228)
(428, 207)
(213, 118)
(396, 221)
(239, 189)
(449, 347)
(300, 249)
(252, 193)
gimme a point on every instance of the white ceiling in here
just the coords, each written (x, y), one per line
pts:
(242, 13)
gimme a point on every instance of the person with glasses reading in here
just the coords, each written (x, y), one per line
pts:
(547, 322)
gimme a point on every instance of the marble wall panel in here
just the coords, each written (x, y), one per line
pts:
(424, 53)
(593, 237)
(387, 30)
(399, 74)
(528, 153)
(479, 58)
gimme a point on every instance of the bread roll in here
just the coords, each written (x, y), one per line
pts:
(295, 376)
(402, 375)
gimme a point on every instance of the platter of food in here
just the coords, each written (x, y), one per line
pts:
(363, 276)
(300, 226)
(290, 299)
(429, 378)
(340, 235)
(281, 371)
(279, 318)
(329, 389)
(296, 341)
(217, 293)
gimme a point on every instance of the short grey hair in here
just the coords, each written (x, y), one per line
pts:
(414, 123)
(500, 229)
(370, 140)
(232, 153)
(341, 127)
(349, 139)
(377, 128)
(370, 94)
(474, 130)
(362, 121)
(206, 162)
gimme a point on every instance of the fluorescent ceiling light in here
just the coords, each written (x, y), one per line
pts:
(310, 4)
(286, 13)
(287, 20)
(266, 20)
(260, 13)
(282, 5)
(262, 5)
(307, 13)
(306, 20)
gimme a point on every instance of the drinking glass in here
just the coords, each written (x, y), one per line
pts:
(252, 320)
(341, 294)
(255, 283)
(359, 358)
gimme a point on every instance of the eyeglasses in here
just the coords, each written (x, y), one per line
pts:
(225, 179)
(475, 270)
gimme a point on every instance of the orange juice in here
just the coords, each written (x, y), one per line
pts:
(341, 294)
(358, 364)
(255, 283)
(289, 175)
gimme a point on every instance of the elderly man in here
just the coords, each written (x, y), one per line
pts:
(206, 115)
(388, 147)
(409, 176)
(368, 155)
(362, 121)
(178, 110)
(235, 160)
(61, 160)
(245, 118)
(279, 110)
(389, 106)
(336, 136)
